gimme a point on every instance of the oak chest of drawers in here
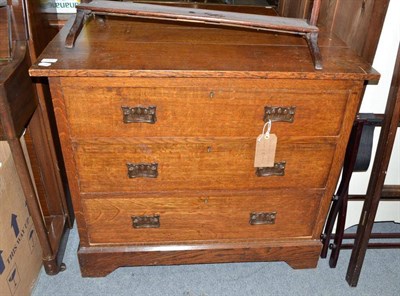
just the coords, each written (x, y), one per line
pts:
(158, 124)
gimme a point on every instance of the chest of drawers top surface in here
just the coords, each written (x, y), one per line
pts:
(131, 47)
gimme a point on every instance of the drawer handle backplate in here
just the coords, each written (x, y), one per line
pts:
(142, 170)
(139, 114)
(277, 170)
(283, 114)
(262, 218)
(146, 221)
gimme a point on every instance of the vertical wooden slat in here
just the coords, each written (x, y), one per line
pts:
(375, 28)
(315, 12)
(357, 22)
(4, 36)
(18, 20)
(295, 8)
(377, 179)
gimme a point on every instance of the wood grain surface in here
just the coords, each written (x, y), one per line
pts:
(148, 49)
(199, 164)
(203, 217)
(203, 107)
(210, 86)
(17, 98)
(101, 260)
(184, 14)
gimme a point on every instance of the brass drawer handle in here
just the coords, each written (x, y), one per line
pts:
(146, 221)
(282, 114)
(142, 170)
(139, 114)
(277, 170)
(262, 218)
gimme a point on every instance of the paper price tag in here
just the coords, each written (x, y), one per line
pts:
(265, 150)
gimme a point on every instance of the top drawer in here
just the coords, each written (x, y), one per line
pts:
(203, 107)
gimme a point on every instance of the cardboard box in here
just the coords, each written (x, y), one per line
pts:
(20, 251)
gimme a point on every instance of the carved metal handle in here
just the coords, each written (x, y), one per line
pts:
(284, 114)
(146, 221)
(142, 170)
(262, 218)
(277, 170)
(139, 114)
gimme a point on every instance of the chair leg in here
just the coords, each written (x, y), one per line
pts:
(337, 242)
(326, 236)
(342, 192)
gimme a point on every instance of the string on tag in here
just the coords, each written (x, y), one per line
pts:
(264, 134)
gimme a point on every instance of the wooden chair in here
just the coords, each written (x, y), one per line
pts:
(376, 188)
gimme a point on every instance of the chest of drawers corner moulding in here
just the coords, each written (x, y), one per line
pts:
(158, 138)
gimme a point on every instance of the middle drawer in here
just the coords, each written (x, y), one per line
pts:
(199, 164)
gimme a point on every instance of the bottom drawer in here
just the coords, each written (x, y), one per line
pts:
(190, 218)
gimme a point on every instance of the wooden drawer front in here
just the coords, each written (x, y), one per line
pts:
(199, 165)
(109, 220)
(205, 111)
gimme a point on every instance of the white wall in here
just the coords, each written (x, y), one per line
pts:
(374, 101)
